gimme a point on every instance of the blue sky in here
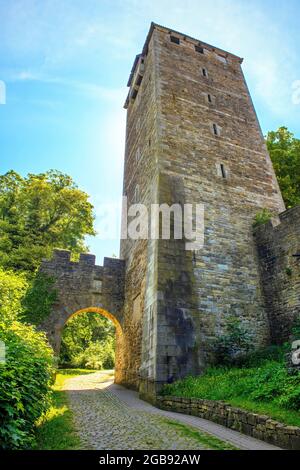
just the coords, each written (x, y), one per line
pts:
(65, 64)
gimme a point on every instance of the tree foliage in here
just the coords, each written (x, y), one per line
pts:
(12, 289)
(37, 213)
(40, 212)
(88, 340)
(284, 150)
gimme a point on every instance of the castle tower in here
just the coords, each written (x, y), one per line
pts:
(192, 137)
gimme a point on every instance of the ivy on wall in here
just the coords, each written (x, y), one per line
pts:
(39, 299)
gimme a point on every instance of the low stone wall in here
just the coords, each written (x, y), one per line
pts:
(252, 424)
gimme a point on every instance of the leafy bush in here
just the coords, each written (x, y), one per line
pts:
(284, 149)
(26, 375)
(24, 383)
(97, 355)
(12, 289)
(234, 344)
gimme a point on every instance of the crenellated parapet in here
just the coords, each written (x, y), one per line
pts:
(83, 286)
(278, 245)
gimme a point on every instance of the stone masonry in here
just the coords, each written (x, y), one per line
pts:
(259, 426)
(192, 136)
(84, 287)
(278, 244)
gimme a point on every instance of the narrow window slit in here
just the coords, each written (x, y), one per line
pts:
(223, 171)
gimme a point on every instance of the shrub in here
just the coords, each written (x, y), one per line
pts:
(12, 289)
(98, 355)
(27, 373)
(24, 383)
(234, 344)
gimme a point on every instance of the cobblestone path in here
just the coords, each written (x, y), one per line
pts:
(108, 416)
(105, 422)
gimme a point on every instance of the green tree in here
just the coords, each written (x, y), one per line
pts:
(12, 289)
(40, 212)
(88, 340)
(284, 150)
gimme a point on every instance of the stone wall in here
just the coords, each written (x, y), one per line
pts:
(252, 424)
(200, 290)
(277, 243)
(174, 156)
(140, 186)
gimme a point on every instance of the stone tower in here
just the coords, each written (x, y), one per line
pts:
(192, 137)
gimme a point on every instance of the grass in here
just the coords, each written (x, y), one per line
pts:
(55, 431)
(265, 389)
(289, 417)
(211, 442)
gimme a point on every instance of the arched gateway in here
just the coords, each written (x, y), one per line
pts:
(84, 287)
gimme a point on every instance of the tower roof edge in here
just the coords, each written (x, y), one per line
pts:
(186, 36)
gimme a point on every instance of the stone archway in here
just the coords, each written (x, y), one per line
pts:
(101, 311)
(85, 287)
(119, 336)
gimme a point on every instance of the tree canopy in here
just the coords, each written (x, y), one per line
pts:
(40, 212)
(284, 150)
(88, 340)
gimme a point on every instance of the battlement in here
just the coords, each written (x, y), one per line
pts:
(190, 39)
(278, 246)
(63, 257)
